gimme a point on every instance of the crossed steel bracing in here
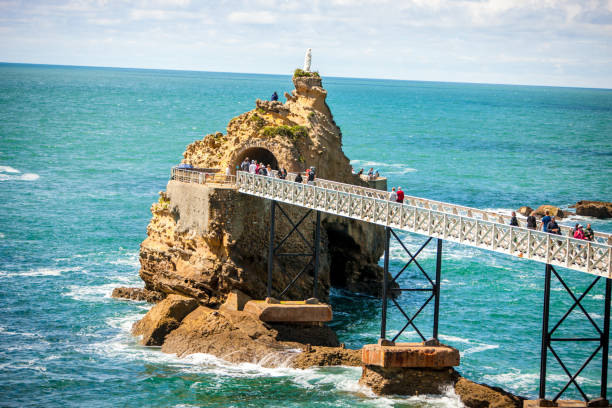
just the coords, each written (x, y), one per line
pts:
(602, 341)
(389, 286)
(274, 249)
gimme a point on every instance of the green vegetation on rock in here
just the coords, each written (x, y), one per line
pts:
(292, 132)
(298, 73)
(257, 120)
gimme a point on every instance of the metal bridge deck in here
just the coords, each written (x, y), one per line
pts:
(435, 219)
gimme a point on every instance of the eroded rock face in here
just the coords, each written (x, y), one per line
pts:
(475, 395)
(407, 381)
(138, 294)
(203, 242)
(597, 209)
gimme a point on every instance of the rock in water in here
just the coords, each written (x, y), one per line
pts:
(598, 209)
(525, 210)
(205, 240)
(162, 319)
(554, 211)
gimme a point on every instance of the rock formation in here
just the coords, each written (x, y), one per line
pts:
(554, 211)
(205, 240)
(598, 209)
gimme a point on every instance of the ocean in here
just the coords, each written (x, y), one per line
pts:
(84, 152)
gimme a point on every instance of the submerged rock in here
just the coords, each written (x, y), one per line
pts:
(597, 209)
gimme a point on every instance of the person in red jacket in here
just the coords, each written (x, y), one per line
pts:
(400, 195)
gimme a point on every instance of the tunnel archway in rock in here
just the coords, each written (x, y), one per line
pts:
(260, 154)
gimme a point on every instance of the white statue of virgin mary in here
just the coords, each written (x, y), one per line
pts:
(307, 59)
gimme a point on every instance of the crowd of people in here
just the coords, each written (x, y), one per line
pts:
(549, 224)
(372, 174)
(255, 167)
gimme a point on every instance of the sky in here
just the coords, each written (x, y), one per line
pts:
(530, 42)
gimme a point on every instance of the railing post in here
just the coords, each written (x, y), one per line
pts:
(545, 339)
(605, 340)
(383, 323)
(317, 254)
(437, 288)
(271, 246)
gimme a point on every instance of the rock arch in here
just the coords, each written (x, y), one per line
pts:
(255, 151)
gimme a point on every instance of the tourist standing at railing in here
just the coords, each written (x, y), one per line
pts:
(588, 233)
(245, 165)
(311, 176)
(552, 227)
(578, 233)
(514, 220)
(282, 174)
(545, 220)
(269, 170)
(298, 178)
(400, 195)
(532, 223)
(393, 195)
(252, 167)
(228, 171)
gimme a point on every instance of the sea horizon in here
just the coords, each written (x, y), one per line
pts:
(290, 74)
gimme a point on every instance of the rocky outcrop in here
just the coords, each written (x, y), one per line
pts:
(554, 211)
(163, 318)
(407, 381)
(327, 356)
(475, 395)
(525, 210)
(138, 294)
(204, 241)
(597, 209)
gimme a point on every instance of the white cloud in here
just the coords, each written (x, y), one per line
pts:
(252, 17)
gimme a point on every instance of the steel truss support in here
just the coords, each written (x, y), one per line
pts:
(313, 256)
(388, 287)
(602, 341)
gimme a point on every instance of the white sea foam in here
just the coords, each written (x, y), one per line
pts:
(90, 293)
(454, 339)
(384, 168)
(8, 169)
(24, 177)
(516, 379)
(1, 235)
(479, 348)
(38, 272)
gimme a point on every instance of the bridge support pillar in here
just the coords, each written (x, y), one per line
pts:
(312, 254)
(391, 289)
(602, 342)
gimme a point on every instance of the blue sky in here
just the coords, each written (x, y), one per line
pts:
(539, 42)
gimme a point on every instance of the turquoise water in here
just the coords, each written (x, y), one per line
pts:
(84, 152)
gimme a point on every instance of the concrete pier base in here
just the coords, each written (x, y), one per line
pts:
(289, 311)
(409, 368)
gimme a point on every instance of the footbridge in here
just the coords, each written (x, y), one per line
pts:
(437, 222)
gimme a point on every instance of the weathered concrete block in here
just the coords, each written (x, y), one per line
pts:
(289, 311)
(410, 355)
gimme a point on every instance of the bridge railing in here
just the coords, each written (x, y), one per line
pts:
(424, 203)
(200, 176)
(584, 256)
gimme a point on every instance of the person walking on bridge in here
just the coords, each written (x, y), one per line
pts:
(400, 195)
(552, 227)
(298, 178)
(588, 233)
(514, 220)
(532, 223)
(393, 195)
(545, 220)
